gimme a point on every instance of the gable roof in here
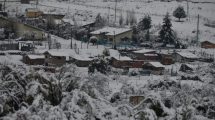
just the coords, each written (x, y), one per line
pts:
(144, 51)
(116, 55)
(208, 41)
(79, 23)
(111, 31)
(188, 55)
(57, 53)
(36, 56)
(156, 64)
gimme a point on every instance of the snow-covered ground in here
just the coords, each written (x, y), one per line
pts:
(93, 97)
(89, 9)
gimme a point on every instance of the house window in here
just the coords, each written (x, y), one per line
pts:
(111, 39)
(58, 58)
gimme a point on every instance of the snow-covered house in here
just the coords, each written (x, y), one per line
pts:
(112, 34)
(119, 61)
(34, 59)
(55, 58)
(185, 57)
(79, 23)
(166, 57)
(33, 13)
(146, 55)
(186, 68)
(26, 31)
(80, 59)
(208, 44)
(154, 68)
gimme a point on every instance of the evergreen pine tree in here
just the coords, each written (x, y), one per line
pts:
(100, 22)
(145, 23)
(134, 34)
(147, 36)
(166, 34)
(121, 20)
(179, 13)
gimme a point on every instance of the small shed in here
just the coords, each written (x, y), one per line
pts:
(166, 57)
(80, 61)
(119, 61)
(34, 59)
(208, 44)
(186, 68)
(154, 67)
(146, 54)
(113, 34)
(55, 58)
(185, 57)
(33, 13)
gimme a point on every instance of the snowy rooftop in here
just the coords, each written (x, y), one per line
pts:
(144, 51)
(79, 23)
(156, 64)
(165, 51)
(32, 10)
(111, 31)
(211, 41)
(58, 53)
(115, 54)
(36, 56)
(81, 54)
(187, 54)
(151, 55)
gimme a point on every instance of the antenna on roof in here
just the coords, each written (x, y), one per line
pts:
(115, 11)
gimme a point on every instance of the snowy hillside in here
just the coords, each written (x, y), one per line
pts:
(77, 72)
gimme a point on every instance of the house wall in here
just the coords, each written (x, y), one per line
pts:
(153, 70)
(54, 60)
(130, 64)
(33, 14)
(141, 56)
(29, 61)
(120, 64)
(12, 46)
(167, 59)
(179, 58)
(23, 30)
(207, 45)
(5, 23)
(118, 37)
(80, 63)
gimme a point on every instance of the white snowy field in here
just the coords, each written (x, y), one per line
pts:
(88, 9)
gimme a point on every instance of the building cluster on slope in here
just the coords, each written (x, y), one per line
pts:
(152, 61)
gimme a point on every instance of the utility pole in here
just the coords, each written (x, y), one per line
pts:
(71, 38)
(188, 16)
(115, 11)
(4, 5)
(108, 15)
(197, 33)
(114, 46)
(37, 2)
